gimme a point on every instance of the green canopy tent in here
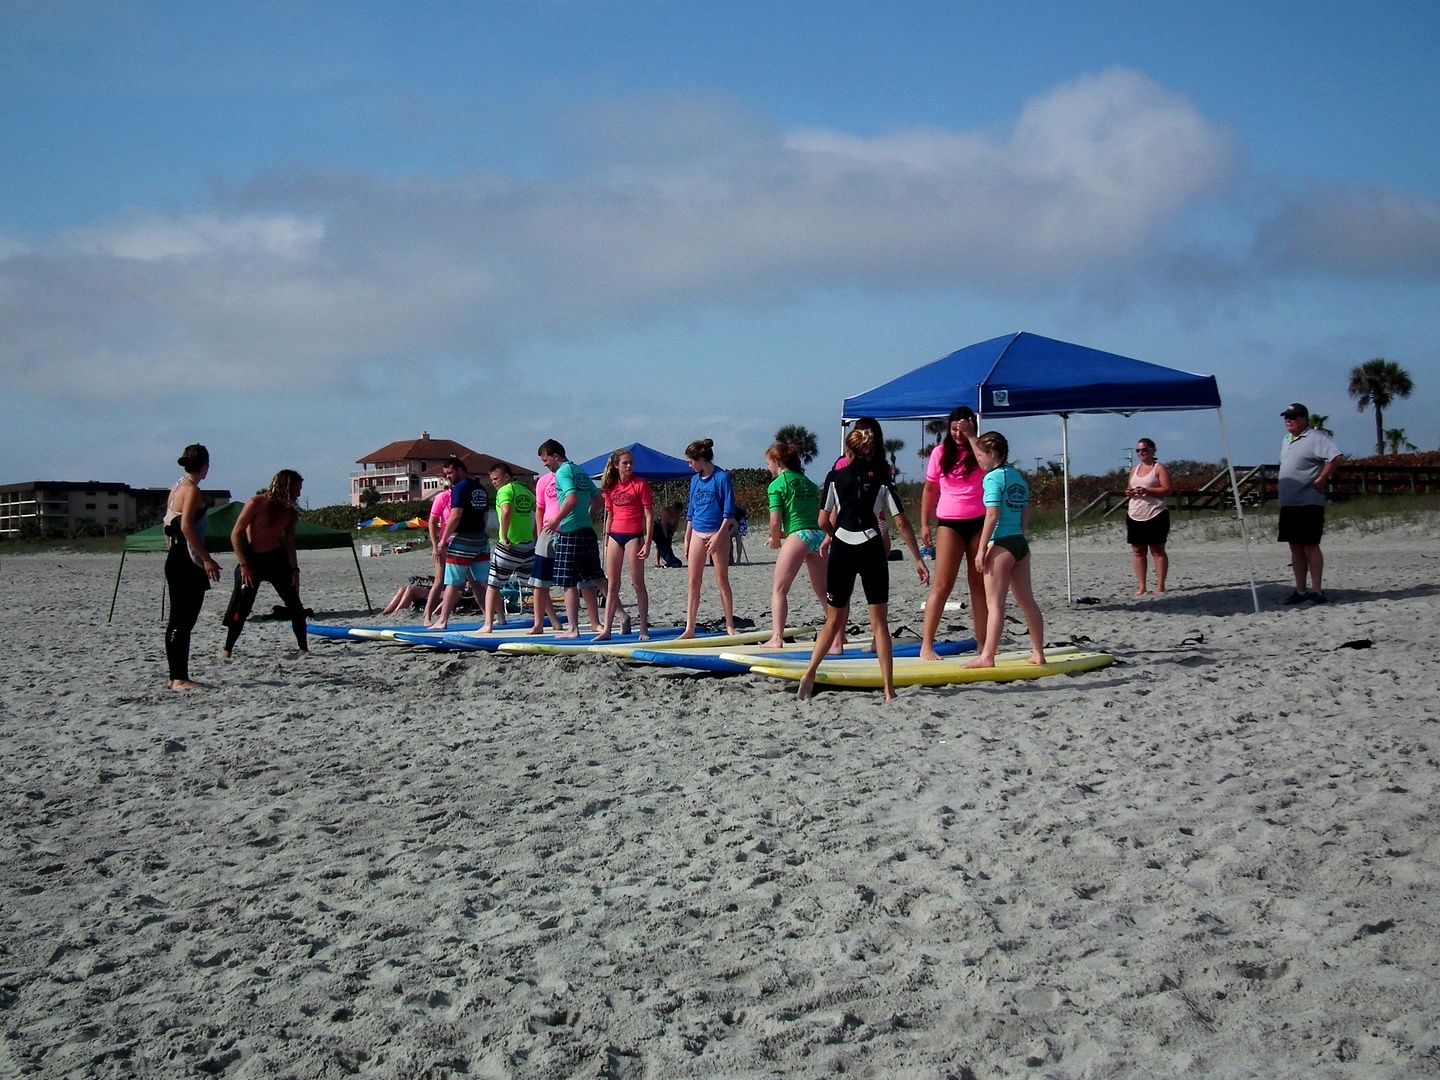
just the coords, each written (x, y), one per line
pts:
(218, 525)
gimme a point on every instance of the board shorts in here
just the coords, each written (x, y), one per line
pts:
(968, 528)
(1301, 525)
(542, 571)
(576, 559)
(1151, 533)
(813, 538)
(1017, 545)
(461, 555)
(866, 561)
(508, 561)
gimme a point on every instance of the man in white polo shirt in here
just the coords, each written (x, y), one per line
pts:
(1307, 459)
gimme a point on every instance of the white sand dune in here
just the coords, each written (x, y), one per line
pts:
(1218, 857)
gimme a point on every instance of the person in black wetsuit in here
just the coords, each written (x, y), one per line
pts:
(189, 569)
(851, 501)
(264, 544)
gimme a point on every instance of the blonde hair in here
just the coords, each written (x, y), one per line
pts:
(282, 486)
(861, 442)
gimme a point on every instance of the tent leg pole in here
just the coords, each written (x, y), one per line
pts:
(1065, 457)
(1239, 509)
(117, 586)
(364, 591)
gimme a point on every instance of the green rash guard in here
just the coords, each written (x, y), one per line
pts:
(796, 499)
(522, 513)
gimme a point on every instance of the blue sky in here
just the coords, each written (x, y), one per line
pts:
(297, 231)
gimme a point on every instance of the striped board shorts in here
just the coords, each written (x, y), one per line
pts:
(576, 559)
(461, 554)
(508, 560)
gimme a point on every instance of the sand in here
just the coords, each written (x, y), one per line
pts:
(1218, 857)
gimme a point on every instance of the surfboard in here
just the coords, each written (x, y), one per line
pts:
(1009, 667)
(625, 644)
(729, 660)
(361, 632)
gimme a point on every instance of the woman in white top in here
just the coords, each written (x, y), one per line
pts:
(1147, 521)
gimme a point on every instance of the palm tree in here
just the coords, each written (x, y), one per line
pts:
(803, 439)
(1378, 382)
(1318, 422)
(893, 447)
(1397, 442)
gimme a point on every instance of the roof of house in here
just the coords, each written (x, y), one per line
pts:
(434, 452)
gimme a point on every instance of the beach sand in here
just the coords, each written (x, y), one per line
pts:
(1216, 858)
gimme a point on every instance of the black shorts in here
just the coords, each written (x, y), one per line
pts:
(1301, 525)
(1152, 533)
(968, 528)
(866, 561)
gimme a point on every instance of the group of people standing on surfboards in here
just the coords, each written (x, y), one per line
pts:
(546, 538)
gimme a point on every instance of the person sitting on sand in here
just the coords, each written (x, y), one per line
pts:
(1004, 551)
(853, 498)
(662, 535)
(412, 594)
(264, 543)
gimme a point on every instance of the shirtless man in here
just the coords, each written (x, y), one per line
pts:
(264, 543)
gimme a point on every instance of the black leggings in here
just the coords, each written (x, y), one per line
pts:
(188, 585)
(274, 567)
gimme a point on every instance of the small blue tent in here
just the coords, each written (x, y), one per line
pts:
(1025, 374)
(1029, 375)
(650, 464)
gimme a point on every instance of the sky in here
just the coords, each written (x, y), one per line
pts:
(298, 231)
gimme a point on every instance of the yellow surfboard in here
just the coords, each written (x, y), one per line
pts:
(912, 671)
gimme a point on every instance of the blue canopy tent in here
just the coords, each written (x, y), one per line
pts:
(1025, 374)
(650, 464)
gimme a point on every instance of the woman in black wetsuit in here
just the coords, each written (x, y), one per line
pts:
(189, 569)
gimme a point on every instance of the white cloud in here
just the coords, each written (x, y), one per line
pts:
(153, 238)
(301, 280)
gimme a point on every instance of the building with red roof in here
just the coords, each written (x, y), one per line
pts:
(408, 470)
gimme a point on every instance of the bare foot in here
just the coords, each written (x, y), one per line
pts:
(1139, 592)
(807, 688)
(889, 696)
(185, 684)
(686, 636)
(1037, 658)
(929, 654)
(625, 625)
(225, 655)
(438, 628)
(567, 637)
(773, 643)
(604, 635)
(1159, 592)
(981, 662)
(644, 635)
(536, 630)
(304, 654)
